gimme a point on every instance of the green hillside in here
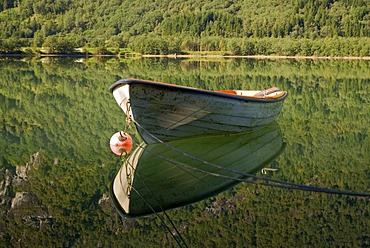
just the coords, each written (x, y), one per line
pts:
(163, 27)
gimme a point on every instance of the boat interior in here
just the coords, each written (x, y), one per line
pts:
(271, 93)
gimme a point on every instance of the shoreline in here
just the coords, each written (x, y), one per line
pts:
(256, 57)
(175, 56)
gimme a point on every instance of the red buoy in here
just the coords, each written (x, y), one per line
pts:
(120, 143)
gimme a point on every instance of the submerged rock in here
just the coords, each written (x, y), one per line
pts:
(21, 172)
(34, 161)
(5, 186)
(22, 199)
(105, 203)
(40, 221)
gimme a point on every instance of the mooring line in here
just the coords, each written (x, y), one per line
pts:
(160, 206)
(162, 220)
(257, 180)
(268, 181)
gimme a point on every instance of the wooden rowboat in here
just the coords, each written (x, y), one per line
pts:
(157, 177)
(169, 112)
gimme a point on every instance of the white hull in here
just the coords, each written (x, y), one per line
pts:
(170, 112)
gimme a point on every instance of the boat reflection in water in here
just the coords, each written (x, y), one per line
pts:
(158, 177)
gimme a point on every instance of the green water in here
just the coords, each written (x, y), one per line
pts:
(57, 117)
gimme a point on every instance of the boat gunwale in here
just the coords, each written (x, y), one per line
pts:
(196, 90)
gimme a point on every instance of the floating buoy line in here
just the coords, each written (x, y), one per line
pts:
(120, 143)
(125, 148)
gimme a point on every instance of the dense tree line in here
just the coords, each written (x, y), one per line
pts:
(116, 24)
(339, 46)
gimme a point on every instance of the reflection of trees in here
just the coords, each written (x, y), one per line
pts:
(57, 109)
(64, 110)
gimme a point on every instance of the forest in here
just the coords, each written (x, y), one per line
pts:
(234, 27)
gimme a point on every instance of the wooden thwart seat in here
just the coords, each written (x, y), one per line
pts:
(256, 94)
(268, 91)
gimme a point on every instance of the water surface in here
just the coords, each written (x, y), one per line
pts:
(56, 167)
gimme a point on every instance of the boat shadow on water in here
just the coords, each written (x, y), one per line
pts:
(162, 176)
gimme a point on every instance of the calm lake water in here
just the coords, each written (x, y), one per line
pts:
(56, 167)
